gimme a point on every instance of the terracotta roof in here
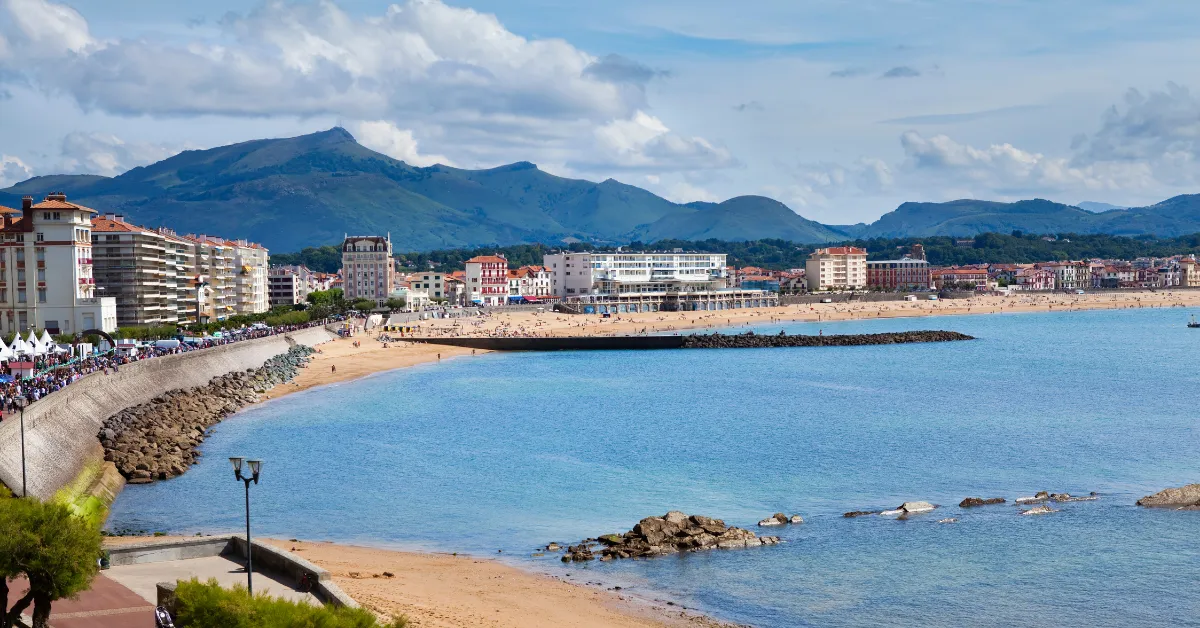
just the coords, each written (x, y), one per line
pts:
(62, 204)
(8, 210)
(842, 250)
(487, 259)
(103, 225)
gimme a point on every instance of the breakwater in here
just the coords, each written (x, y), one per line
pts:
(748, 340)
(60, 430)
(157, 440)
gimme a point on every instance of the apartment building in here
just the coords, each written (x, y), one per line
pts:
(899, 274)
(180, 256)
(130, 265)
(250, 278)
(836, 268)
(432, 283)
(949, 278)
(1189, 273)
(529, 281)
(46, 271)
(1070, 275)
(289, 285)
(487, 280)
(368, 270)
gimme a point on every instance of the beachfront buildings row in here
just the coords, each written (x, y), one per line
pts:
(66, 269)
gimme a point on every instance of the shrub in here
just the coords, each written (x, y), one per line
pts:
(207, 605)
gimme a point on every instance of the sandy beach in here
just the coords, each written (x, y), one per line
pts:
(443, 590)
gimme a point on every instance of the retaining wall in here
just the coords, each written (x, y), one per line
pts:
(266, 559)
(60, 430)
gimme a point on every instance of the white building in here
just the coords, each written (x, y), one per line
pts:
(486, 279)
(250, 278)
(368, 270)
(836, 268)
(414, 300)
(648, 282)
(432, 283)
(530, 281)
(46, 279)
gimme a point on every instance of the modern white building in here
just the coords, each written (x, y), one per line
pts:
(648, 282)
(46, 279)
(250, 278)
(368, 270)
(836, 268)
(414, 300)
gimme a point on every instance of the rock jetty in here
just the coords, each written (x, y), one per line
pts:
(972, 502)
(751, 340)
(157, 440)
(670, 533)
(1182, 498)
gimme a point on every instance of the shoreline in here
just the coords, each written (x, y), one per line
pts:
(371, 358)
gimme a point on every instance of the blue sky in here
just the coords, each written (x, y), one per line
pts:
(841, 109)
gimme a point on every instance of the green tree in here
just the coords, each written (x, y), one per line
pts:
(395, 304)
(55, 550)
(363, 305)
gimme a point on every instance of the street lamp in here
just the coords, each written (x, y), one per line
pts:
(21, 402)
(255, 469)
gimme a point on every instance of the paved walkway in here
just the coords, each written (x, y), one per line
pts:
(106, 605)
(141, 579)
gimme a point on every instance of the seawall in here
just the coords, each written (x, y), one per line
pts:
(60, 430)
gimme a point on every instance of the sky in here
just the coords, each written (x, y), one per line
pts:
(842, 109)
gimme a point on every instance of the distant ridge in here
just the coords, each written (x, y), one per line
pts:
(309, 190)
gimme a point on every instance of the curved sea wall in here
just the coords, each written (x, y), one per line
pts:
(60, 430)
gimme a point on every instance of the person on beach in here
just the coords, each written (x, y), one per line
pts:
(333, 368)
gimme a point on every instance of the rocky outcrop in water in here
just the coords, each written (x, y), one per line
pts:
(670, 533)
(751, 340)
(779, 519)
(1185, 498)
(157, 440)
(972, 502)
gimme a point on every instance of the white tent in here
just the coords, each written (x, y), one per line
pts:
(18, 347)
(35, 346)
(46, 340)
(5, 352)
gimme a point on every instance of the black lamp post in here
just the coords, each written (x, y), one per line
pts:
(255, 469)
(20, 402)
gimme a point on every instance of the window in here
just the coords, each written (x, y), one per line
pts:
(20, 274)
(23, 319)
(21, 299)
(41, 274)
(20, 255)
(42, 296)
(40, 236)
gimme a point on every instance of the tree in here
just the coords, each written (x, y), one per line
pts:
(363, 305)
(395, 304)
(55, 550)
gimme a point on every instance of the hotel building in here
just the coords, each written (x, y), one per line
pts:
(46, 278)
(487, 280)
(368, 270)
(899, 274)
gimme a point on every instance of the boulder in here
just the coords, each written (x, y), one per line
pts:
(972, 502)
(1183, 496)
(796, 519)
(673, 532)
(1038, 510)
(861, 513)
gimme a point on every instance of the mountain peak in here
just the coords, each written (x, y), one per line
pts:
(337, 133)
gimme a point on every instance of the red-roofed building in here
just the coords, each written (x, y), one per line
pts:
(46, 279)
(487, 280)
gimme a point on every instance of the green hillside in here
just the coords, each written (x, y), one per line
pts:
(311, 190)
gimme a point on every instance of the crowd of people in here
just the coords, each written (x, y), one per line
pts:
(55, 371)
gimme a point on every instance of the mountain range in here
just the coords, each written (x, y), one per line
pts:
(311, 190)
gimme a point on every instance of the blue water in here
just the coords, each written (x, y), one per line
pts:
(508, 452)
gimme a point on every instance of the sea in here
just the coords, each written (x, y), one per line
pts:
(498, 454)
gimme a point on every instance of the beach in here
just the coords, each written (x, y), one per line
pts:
(340, 360)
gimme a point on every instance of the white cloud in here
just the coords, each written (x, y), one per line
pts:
(684, 192)
(643, 142)
(108, 155)
(46, 29)
(387, 138)
(13, 170)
